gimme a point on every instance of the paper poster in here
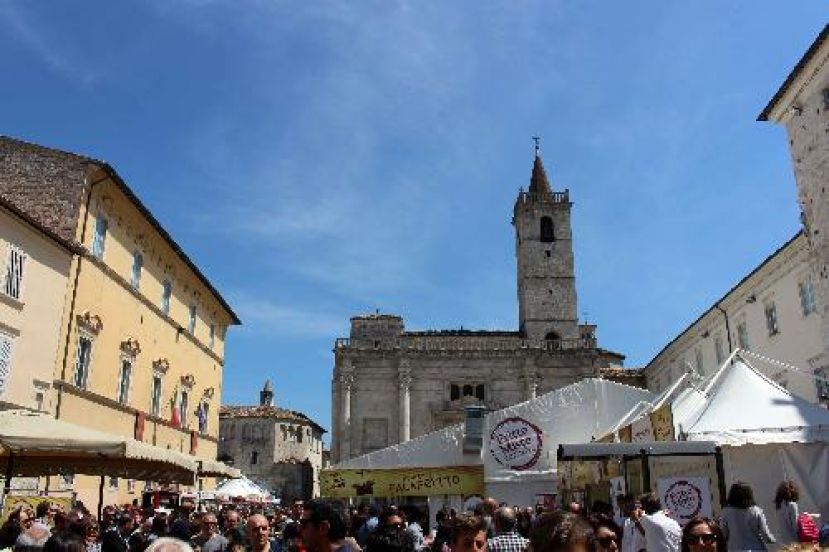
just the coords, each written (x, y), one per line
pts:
(642, 430)
(685, 498)
(662, 422)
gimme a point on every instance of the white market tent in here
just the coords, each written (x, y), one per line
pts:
(241, 487)
(766, 434)
(578, 412)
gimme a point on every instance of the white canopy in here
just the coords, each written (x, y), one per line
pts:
(440, 448)
(241, 487)
(43, 445)
(744, 406)
(576, 413)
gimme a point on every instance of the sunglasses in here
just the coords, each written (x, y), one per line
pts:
(605, 541)
(705, 538)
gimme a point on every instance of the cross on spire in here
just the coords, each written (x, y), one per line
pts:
(537, 140)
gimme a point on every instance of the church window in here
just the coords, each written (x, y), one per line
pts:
(547, 234)
(299, 435)
(454, 392)
(552, 336)
(467, 390)
(479, 391)
(254, 457)
(547, 253)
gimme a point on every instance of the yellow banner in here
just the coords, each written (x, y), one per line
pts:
(13, 502)
(456, 480)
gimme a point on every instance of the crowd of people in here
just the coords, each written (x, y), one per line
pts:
(641, 524)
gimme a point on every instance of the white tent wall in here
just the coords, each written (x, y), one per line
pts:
(437, 449)
(573, 414)
(523, 494)
(764, 466)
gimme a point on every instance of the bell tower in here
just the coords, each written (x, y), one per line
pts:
(544, 253)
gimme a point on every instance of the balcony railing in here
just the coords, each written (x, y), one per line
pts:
(465, 343)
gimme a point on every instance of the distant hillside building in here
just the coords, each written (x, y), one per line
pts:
(390, 385)
(277, 448)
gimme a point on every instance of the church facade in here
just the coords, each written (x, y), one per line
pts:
(390, 385)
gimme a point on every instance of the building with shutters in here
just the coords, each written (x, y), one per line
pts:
(391, 384)
(34, 273)
(772, 312)
(139, 350)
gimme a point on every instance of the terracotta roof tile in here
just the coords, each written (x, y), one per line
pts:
(265, 411)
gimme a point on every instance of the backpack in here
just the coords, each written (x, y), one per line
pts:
(806, 528)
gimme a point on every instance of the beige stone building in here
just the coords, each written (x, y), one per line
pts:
(34, 272)
(801, 105)
(391, 384)
(771, 312)
(277, 448)
(140, 347)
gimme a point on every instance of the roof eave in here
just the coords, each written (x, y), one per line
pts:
(794, 74)
(106, 167)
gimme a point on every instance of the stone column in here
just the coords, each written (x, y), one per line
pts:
(346, 383)
(530, 383)
(404, 376)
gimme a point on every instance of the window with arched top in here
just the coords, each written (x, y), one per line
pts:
(467, 391)
(547, 234)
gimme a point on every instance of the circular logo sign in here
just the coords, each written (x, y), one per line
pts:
(515, 443)
(684, 500)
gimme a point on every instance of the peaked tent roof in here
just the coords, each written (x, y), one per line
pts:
(241, 487)
(747, 407)
(539, 185)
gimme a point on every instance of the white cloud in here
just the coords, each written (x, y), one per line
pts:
(41, 43)
(263, 316)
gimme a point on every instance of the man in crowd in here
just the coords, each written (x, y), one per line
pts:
(506, 537)
(182, 528)
(258, 532)
(233, 529)
(208, 539)
(662, 534)
(323, 529)
(468, 533)
(369, 526)
(488, 507)
(116, 538)
(633, 536)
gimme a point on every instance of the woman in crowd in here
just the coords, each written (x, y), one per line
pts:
(702, 535)
(785, 502)
(743, 523)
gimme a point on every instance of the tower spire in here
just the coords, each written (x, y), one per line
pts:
(539, 185)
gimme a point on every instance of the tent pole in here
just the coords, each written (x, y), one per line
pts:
(9, 471)
(720, 475)
(100, 498)
(646, 471)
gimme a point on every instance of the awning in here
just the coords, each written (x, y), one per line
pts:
(656, 448)
(43, 445)
(214, 468)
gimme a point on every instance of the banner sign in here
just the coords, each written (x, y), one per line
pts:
(515, 443)
(655, 426)
(453, 480)
(685, 498)
(662, 423)
(13, 502)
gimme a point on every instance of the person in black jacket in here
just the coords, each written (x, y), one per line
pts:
(115, 539)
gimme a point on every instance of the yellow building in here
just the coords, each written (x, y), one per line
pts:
(141, 341)
(34, 272)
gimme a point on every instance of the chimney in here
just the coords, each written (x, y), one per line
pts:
(473, 429)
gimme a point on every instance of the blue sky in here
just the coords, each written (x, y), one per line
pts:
(324, 159)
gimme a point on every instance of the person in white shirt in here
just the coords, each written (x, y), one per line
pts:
(785, 502)
(633, 536)
(662, 534)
